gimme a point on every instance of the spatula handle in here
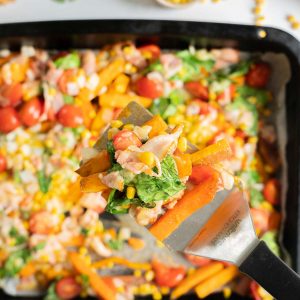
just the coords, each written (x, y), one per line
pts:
(272, 273)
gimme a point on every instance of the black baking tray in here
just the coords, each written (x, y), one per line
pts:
(178, 35)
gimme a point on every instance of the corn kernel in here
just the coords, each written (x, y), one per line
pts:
(227, 292)
(257, 10)
(88, 260)
(130, 192)
(291, 18)
(128, 127)
(266, 205)
(165, 290)
(149, 275)
(83, 251)
(296, 25)
(147, 158)
(137, 273)
(182, 144)
(253, 140)
(116, 124)
(157, 296)
(112, 132)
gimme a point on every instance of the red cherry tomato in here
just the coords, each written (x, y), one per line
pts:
(30, 112)
(272, 191)
(204, 107)
(167, 276)
(125, 138)
(259, 75)
(12, 93)
(63, 80)
(67, 288)
(149, 88)
(254, 290)
(197, 89)
(152, 49)
(260, 219)
(70, 116)
(40, 222)
(197, 261)
(8, 119)
(201, 174)
(2, 163)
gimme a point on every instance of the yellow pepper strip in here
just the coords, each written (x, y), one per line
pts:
(183, 163)
(136, 243)
(120, 100)
(216, 281)
(97, 164)
(195, 278)
(212, 154)
(92, 184)
(102, 290)
(121, 261)
(120, 84)
(110, 72)
(158, 125)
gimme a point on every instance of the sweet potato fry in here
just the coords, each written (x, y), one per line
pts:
(184, 164)
(92, 184)
(97, 164)
(158, 125)
(121, 100)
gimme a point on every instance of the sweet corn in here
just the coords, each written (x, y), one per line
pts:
(83, 251)
(112, 132)
(149, 275)
(137, 273)
(296, 25)
(128, 127)
(165, 290)
(116, 124)
(182, 144)
(130, 192)
(291, 18)
(227, 292)
(147, 158)
(157, 296)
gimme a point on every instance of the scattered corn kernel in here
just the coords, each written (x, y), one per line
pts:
(128, 127)
(112, 132)
(291, 18)
(116, 123)
(165, 290)
(147, 158)
(296, 25)
(149, 275)
(137, 273)
(227, 292)
(182, 144)
(83, 251)
(130, 192)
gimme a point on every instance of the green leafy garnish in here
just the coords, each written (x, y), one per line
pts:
(68, 99)
(16, 176)
(69, 61)
(117, 203)
(163, 107)
(84, 231)
(51, 292)
(115, 167)
(256, 198)
(39, 246)
(270, 238)
(44, 181)
(111, 151)
(115, 244)
(19, 239)
(258, 97)
(236, 70)
(250, 177)
(155, 66)
(151, 189)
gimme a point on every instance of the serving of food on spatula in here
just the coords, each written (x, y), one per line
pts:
(184, 196)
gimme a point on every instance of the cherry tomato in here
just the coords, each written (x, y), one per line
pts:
(125, 138)
(197, 89)
(30, 112)
(67, 288)
(63, 80)
(8, 119)
(232, 89)
(259, 75)
(254, 290)
(200, 174)
(152, 49)
(260, 219)
(204, 107)
(167, 276)
(272, 191)
(70, 116)
(40, 222)
(149, 88)
(197, 261)
(12, 93)
(2, 163)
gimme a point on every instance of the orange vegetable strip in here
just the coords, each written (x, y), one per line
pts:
(212, 154)
(191, 201)
(103, 117)
(136, 243)
(92, 184)
(74, 193)
(122, 100)
(28, 270)
(97, 164)
(195, 278)
(75, 241)
(184, 164)
(216, 281)
(120, 84)
(158, 125)
(121, 261)
(110, 72)
(52, 273)
(101, 289)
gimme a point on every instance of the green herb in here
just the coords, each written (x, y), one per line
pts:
(232, 71)
(258, 97)
(19, 239)
(111, 151)
(68, 99)
(270, 238)
(16, 176)
(115, 244)
(115, 167)
(15, 263)
(151, 189)
(84, 231)
(51, 292)
(250, 177)
(69, 61)
(163, 107)
(155, 66)
(256, 198)
(44, 181)
(117, 203)
(39, 246)
(85, 281)
(77, 131)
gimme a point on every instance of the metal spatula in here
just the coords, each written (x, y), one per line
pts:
(223, 230)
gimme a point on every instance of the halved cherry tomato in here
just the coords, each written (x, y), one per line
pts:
(30, 112)
(232, 89)
(67, 288)
(70, 116)
(259, 75)
(272, 191)
(125, 138)
(12, 93)
(8, 119)
(63, 80)
(40, 222)
(260, 219)
(149, 88)
(197, 261)
(204, 107)
(152, 49)
(254, 290)
(167, 276)
(197, 89)
(201, 174)
(2, 163)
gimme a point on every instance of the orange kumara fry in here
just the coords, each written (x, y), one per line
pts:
(97, 164)
(184, 164)
(92, 184)
(120, 84)
(28, 270)
(191, 201)
(158, 125)
(212, 154)
(136, 243)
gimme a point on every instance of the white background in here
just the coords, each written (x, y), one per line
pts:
(226, 11)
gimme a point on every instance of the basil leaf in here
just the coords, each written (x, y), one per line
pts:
(51, 292)
(68, 99)
(117, 203)
(69, 61)
(155, 66)
(115, 244)
(163, 107)
(44, 181)
(258, 97)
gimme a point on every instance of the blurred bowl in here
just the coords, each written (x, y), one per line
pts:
(171, 4)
